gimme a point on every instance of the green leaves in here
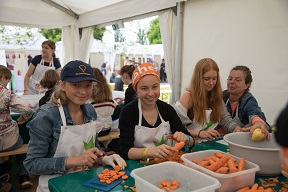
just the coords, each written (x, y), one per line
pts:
(160, 142)
(90, 144)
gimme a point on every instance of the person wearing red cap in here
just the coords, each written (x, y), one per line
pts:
(146, 122)
(63, 132)
(281, 135)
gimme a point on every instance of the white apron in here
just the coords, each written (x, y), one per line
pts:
(71, 143)
(236, 118)
(207, 126)
(34, 86)
(144, 136)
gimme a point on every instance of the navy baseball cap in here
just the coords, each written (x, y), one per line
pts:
(77, 71)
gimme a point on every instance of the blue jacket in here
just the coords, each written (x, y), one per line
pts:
(44, 131)
(247, 108)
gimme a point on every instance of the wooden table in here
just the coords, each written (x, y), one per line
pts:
(112, 135)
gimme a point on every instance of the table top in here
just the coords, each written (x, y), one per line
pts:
(76, 179)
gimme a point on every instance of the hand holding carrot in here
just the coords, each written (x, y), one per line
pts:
(162, 151)
(179, 136)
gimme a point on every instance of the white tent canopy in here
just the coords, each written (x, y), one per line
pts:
(232, 32)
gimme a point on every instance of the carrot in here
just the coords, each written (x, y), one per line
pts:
(222, 170)
(241, 164)
(243, 189)
(117, 168)
(133, 189)
(232, 166)
(219, 155)
(218, 164)
(269, 190)
(255, 186)
(179, 145)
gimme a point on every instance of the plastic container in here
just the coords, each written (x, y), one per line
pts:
(264, 153)
(147, 178)
(229, 182)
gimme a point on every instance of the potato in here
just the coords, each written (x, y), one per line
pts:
(257, 135)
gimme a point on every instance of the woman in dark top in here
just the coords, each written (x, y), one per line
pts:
(126, 76)
(39, 65)
(146, 123)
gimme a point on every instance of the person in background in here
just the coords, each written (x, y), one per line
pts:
(29, 59)
(127, 62)
(103, 103)
(163, 71)
(126, 76)
(281, 135)
(145, 123)
(241, 104)
(39, 65)
(103, 69)
(119, 85)
(63, 135)
(9, 130)
(108, 73)
(201, 107)
(49, 81)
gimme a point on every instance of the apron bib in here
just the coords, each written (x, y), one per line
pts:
(67, 147)
(34, 86)
(236, 118)
(145, 136)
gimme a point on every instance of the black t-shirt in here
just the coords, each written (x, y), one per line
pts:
(129, 118)
(130, 94)
(37, 59)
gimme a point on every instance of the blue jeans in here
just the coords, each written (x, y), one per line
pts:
(20, 169)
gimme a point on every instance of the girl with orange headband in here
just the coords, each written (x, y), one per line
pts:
(146, 122)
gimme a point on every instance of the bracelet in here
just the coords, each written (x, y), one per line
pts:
(199, 133)
(144, 152)
(25, 90)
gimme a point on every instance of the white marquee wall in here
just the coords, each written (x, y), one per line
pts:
(247, 32)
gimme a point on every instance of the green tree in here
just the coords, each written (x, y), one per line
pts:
(52, 34)
(19, 35)
(98, 33)
(119, 37)
(153, 33)
(141, 36)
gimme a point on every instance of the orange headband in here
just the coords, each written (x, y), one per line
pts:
(141, 71)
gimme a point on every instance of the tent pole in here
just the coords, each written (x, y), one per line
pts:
(178, 53)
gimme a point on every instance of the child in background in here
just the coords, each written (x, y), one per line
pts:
(126, 76)
(281, 136)
(103, 103)
(9, 130)
(49, 81)
(63, 135)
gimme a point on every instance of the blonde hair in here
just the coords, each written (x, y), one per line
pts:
(50, 79)
(101, 91)
(58, 94)
(200, 99)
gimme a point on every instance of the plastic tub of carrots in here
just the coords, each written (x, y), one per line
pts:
(231, 178)
(162, 177)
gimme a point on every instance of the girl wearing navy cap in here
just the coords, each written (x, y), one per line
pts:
(63, 135)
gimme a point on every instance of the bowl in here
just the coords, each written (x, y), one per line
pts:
(147, 178)
(263, 153)
(229, 182)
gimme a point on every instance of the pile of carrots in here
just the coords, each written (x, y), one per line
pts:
(167, 186)
(221, 163)
(108, 176)
(255, 188)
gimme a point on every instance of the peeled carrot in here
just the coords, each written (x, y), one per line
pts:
(179, 145)
(218, 164)
(255, 186)
(232, 166)
(241, 164)
(222, 170)
(243, 189)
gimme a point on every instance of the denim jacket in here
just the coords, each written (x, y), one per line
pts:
(44, 130)
(247, 108)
